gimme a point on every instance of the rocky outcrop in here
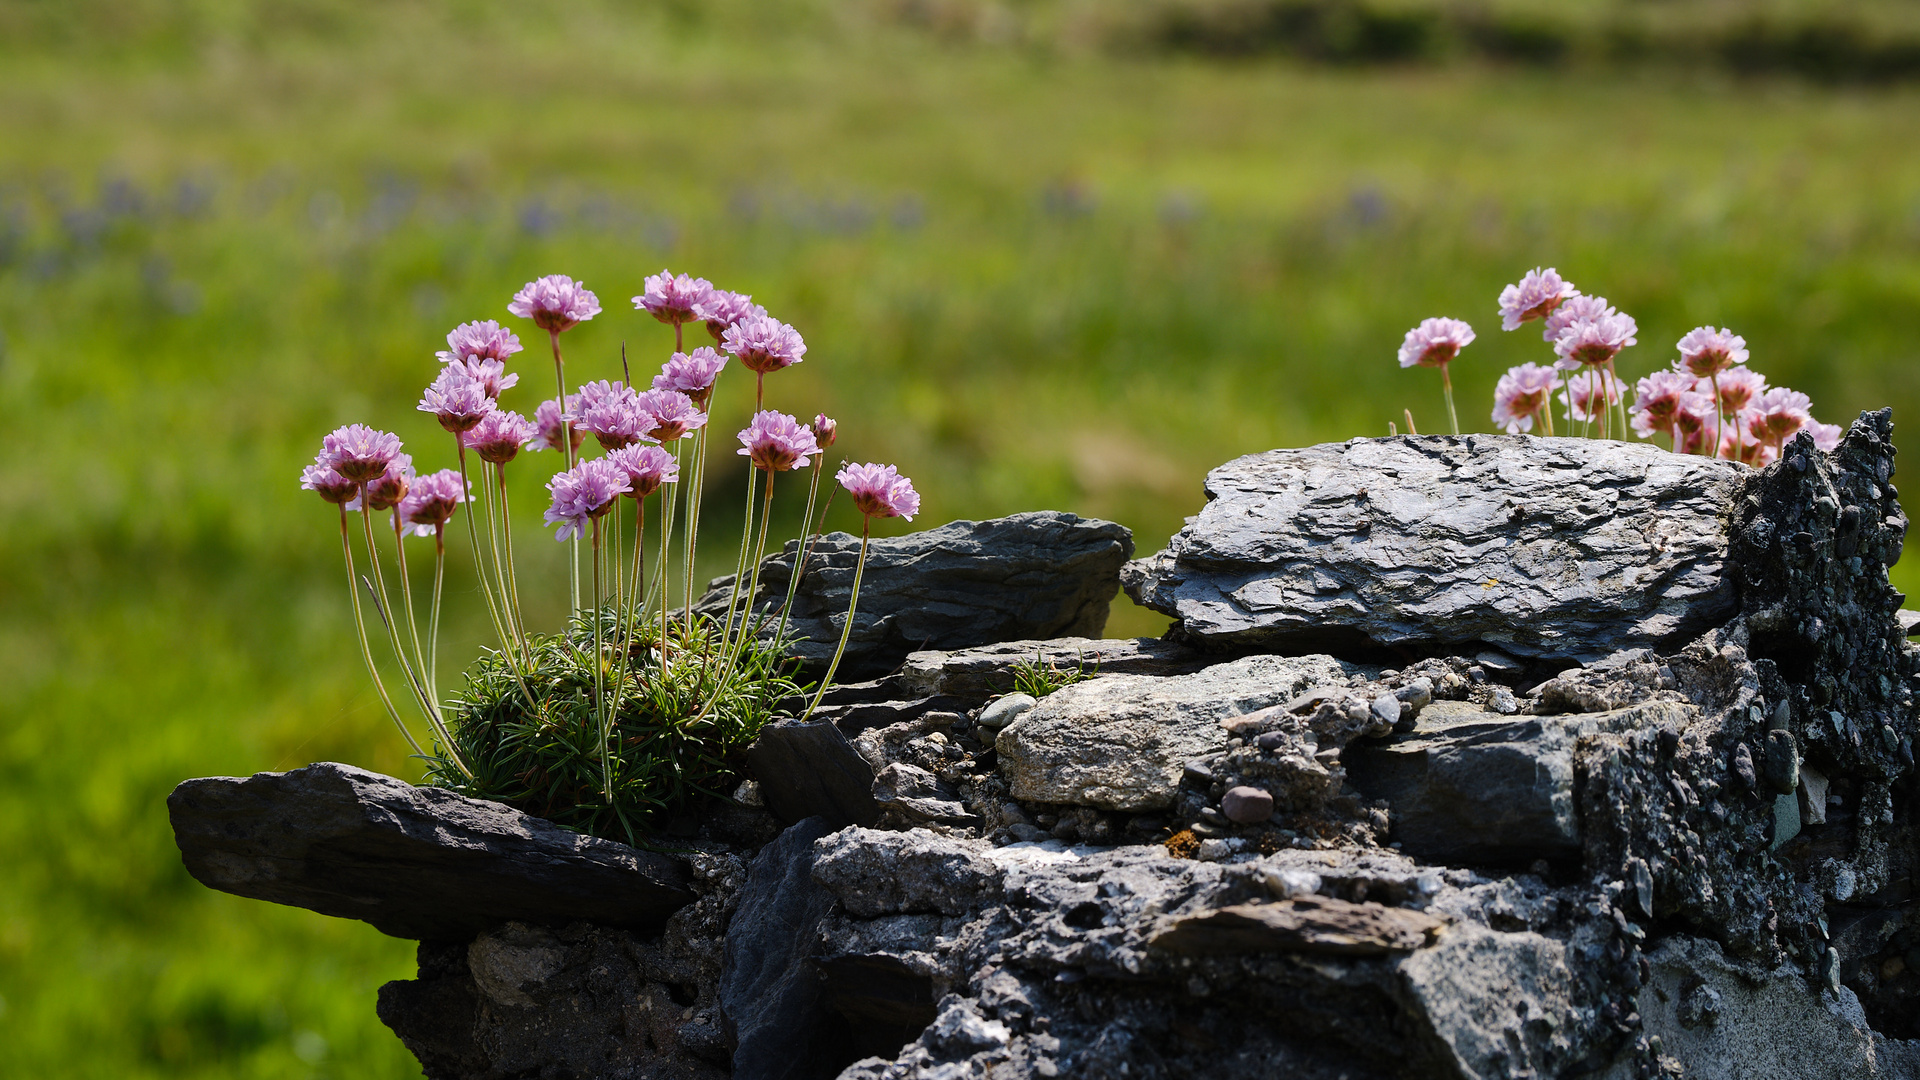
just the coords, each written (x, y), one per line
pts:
(966, 583)
(1546, 547)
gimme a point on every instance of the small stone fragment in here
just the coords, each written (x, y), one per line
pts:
(1215, 850)
(1742, 766)
(1386, 709)
(1786, 819)
(1003, 712)
(1287, 884)
(1501, 701)
(1783, 762)
(1813, 796)
(1247, 805)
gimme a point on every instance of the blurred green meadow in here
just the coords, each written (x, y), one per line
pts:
(1035, 269)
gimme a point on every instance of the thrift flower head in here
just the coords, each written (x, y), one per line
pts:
(549, 421)
(1534, 297)
(613, 413)
(671, 298)
(1521, 394)
(583, 493)
(764, 344)
(1825, 436)
(776, 441)
(825, 431)
(879, 490)
(647, 467)
(1778, 415)
(555, 303)
(385, 491)
(721, 309)
(1434, 342)
(1693, 422)
(330, 485)
(431, 501)
(669, 414)
(456, 399)
(480, 341)
(490, 374)
(499, 436)
(693, 374)
(1572, 310)
(358, 452)
(1588, 394)
(1594, 342)
(1739, 387)
(1706, 352)
(1657, 402)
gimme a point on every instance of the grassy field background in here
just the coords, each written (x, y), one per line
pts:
(1031, 272)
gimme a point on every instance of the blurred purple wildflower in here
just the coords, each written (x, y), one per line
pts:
(330, 485)
(480, 341)
(612, 412)
(1588, 393)
(1706, 352)
(764, 344)
(498, 437)
(692, 374)
(1739, 388)
(583, 493)
(776, 441)
(549, 420)
(669, 414)
(456, 399)
(647, 467)
(358, 452)
(879, 490)
(721, 309)
(1777, 416)
(555, 303)
(1434, 342)
(385, 491)
(1572, 310)
(1656, 403)
(431, 501)
(673, 298)
(1594, 342)
(825, 431)
(490, 374)
(1534, 297)
(1522, 394)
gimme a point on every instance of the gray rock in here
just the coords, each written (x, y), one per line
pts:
(918, 795)
(811, 770)
(769, 992)
(966, 583)
(1307, 924)
(1477, 786)
(886, 873)
(330, 838)
(1246, 805)
(1002, 712)
(1544, 547)
(980, 673)
(1120, 742)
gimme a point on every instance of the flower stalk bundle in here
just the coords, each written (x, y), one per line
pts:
(1709, 402)
(637, 706)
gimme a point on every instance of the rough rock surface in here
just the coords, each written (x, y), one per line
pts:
(1035, 575)
(1546, 547)
(415, 862)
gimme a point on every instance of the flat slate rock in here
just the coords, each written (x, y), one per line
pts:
(1311, 924)
(416, 862)
(1044, 574)
(1545, 547)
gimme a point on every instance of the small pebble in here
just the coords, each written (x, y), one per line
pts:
(1386, 709)
(1291, 883)
(1213, 851)
(1271, 741)
(1247, 805)
(1003, 711)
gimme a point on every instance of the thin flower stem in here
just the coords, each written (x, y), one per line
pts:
(600, 674)
(433, 627)
(513, 576)
(1717, 414)
(630, 617)
(740, 561)
(760, 555)
(847, 630)
(1446, 386)
(382, 605)
(479, 562)
(1546, 411)
(734, 653)
(406, 593)
(696, 488)
(434, 720)
(566, 454)
(1619, 403)
(803, 545)
(366, 647)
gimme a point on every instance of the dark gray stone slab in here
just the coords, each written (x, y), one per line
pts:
(1544, 547)
(770, 992)
(1036, 575)
(979, 673)
(416, 862)
(810, 770)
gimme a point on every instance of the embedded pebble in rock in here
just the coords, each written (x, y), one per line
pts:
(1213, 851)
(1290, 883)
(1005, 710)
(1247, 805)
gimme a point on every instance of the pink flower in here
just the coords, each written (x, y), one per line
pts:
(432, 500)
(693, 374)
(1588, 393)
(1572, 310)
(499, 435)
(672, 299)
(879, 490)
(456, 399)
(583, 493)
(1746, 451)
(764, 344)
(1825, 436)
(721, 309)
(358, 452)
(825, 431)
(1706, 352)
(1534, 297)
(670, 414)
(1657, 402)
(1594, 342)
(490, 374)
(776, 441)
(647, 467)
(549, 419)
(1694, 421)
(385, 491)
(555, 303)
(612, 411)
(1738, 388)
(1434, 342)
(1521, 394)
(480, 341)
(330, 485)
(1777, 416)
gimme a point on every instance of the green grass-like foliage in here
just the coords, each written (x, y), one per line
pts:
(679, 731)
(1043, 677)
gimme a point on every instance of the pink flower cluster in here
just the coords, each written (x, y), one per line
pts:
(879, 490)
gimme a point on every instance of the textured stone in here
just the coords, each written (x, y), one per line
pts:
(811, 770)
(1002, 712)
(1544, 547)
(769, 991)
(415, 862)
(1309, 924)
(1120, 742)
(1035, 575)
(1246, 805)
(982, 672)
(1476, 786)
